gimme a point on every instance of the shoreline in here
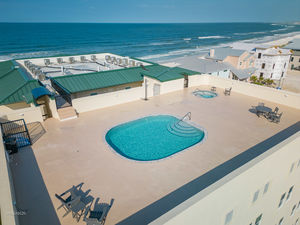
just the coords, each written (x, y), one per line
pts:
(239, 45)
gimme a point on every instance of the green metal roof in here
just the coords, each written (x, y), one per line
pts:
(14, 85)
(103, 79)
(163, 73)
(92, 81)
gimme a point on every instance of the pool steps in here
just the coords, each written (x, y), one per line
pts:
(183, 129)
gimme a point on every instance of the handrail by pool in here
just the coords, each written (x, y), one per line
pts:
(189, 115)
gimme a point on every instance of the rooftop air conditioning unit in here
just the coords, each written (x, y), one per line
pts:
(42, 77)
(47, 62)
(26, 63)
(93, 58)
(71, 59)
(119, 61)
(131, 63)
(125, 61)
(82, 58)
(60, 60)
(108, 58)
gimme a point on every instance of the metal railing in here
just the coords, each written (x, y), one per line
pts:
(16, 129)
(188, 115)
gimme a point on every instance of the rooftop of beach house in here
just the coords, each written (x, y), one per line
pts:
(71, 152)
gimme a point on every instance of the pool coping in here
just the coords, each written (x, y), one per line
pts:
(155, 160)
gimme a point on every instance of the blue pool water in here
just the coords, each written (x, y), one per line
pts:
(153, 137)
(205, 94)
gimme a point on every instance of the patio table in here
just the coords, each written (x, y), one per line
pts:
(262, 110)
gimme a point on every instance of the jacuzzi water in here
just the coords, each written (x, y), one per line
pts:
(153, 137)
(205, 94)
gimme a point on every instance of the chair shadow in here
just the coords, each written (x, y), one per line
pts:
(31, 194)
(84, 195)
(253, 110)
(100, 206)
(36, 131)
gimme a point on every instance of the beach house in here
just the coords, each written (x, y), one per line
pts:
(294, 63)
(239, 59)
(271, 62)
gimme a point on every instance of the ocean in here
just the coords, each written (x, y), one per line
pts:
(155, 42)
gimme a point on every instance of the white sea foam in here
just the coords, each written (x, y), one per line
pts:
(162, 43)
(187, 39)
(248, 44)
(248, 33)
(211, 37)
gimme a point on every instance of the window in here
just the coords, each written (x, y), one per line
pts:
(296, 221)
(281, 200)
(282, 74)
(289, 193)
(228, 217)
(293, 210)
(298, 163)
(292, 167)
(292, 59)
(258, 219)
(255, 197)
(259, 56)
(271, 75)
(266, 187)
(93, 94)
(280, 221)
(292, 66)
(298, 205)
(261, 75)
(127, 88)
(284, 65)
(263, 65)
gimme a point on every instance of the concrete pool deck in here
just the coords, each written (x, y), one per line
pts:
(75, 151)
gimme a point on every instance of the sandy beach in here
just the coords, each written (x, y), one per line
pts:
(237, 45)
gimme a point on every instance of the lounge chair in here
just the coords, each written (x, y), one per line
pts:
(227, 91)
(97, 216)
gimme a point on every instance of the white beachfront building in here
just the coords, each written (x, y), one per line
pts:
(271, 62)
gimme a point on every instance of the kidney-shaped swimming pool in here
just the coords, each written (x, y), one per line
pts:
(153, 137)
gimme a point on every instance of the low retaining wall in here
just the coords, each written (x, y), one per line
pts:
(30, 114)
(94, 102)
(8, 211)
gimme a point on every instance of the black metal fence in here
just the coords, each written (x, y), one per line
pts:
(16, 130)
(62, 94)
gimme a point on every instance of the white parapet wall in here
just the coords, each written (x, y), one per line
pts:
(253, 189)
(7, 199)
(99, 101)
(30, 113)
(197, 80)
(287, 98)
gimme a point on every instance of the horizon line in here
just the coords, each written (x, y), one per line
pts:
(150, 22)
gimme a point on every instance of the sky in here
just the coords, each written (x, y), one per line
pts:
(149, 11)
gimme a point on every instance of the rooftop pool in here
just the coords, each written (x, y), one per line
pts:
(153, 137)
(205, 94)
